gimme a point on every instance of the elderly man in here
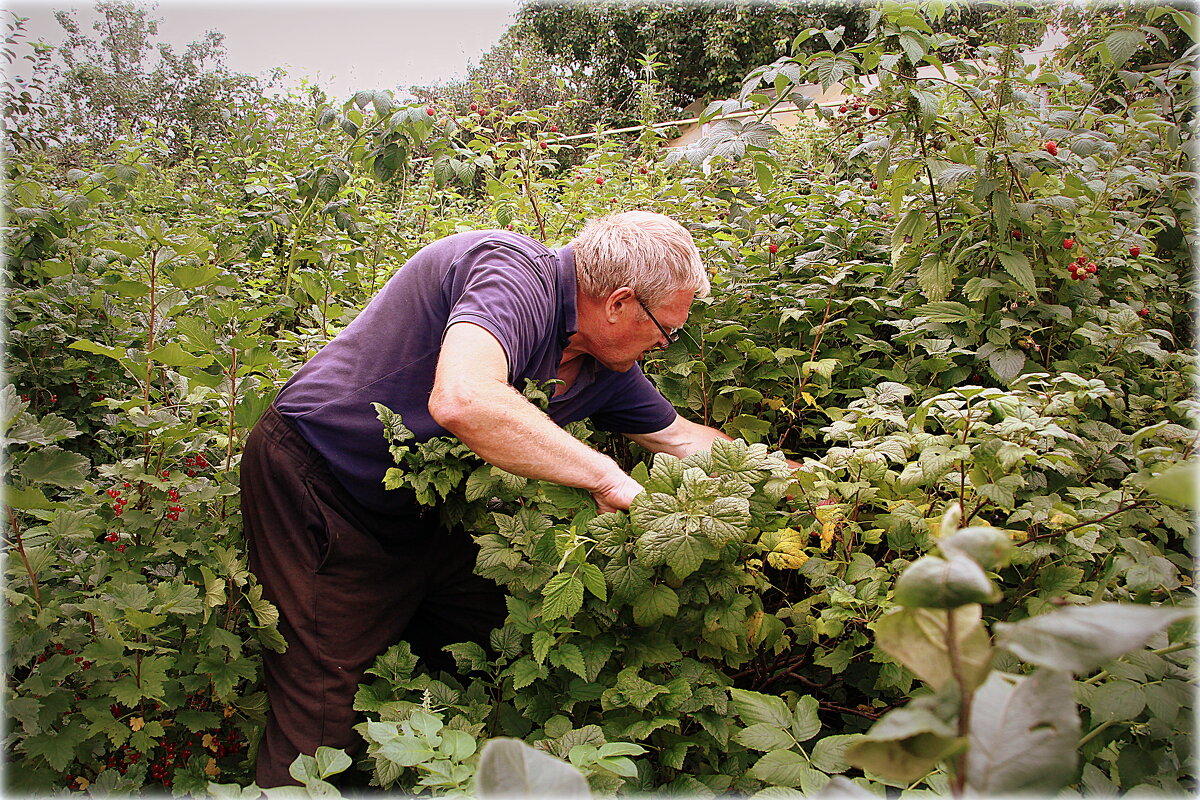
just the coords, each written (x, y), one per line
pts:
(354, 568)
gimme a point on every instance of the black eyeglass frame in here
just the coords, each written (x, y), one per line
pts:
(670, 336)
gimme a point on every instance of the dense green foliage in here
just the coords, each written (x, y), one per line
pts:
(997, 438)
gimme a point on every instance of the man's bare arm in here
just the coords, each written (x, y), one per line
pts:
(472, 399)
(682, 438)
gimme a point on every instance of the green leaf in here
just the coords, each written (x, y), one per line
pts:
(1017, 265)
(764, 738)
(946, 311)
(570, 657)
(1081, 638)
(562, 596)
(189, 276)
(906, 743)
(1024, 731)
(805, 722)
(936, 276)
(99, 349)
(526, 671)
(654, 603)
(1120, 45)
(469, 656)
(628, 579)
(932, 582)
(406, 751)
(919, 639)
(26, 499)
(331, 761)
(593, 580)
(55, 466)
(829, 752)
(991, 548)
(1177, 484)
(172, 355)
(458, 745)
(1117, 701)
(540, 645)
(756, 708)
(1006, 363)
(784, 768)
(57, 747)
(636, 689)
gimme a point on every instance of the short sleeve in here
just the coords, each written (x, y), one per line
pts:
(510, 295)
(633, 405)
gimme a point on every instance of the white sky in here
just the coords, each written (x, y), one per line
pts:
(340, 46)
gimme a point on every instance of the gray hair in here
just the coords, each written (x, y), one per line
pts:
(650, 253)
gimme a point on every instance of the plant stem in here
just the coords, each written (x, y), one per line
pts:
(1120, 510)
(1093, 733)
(959, 781)
(15, 527)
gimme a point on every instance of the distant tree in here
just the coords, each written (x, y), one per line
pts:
(118, 78)
(23, 98)
(705, 49)
(516, 72)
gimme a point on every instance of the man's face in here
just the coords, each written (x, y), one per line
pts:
(630, 331)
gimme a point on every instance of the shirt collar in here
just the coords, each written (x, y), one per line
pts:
(568, 317)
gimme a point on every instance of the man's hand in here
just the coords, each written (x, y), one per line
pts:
(619, 495)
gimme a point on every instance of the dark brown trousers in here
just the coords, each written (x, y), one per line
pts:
(349, 583)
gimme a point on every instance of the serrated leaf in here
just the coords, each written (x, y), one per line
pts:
(764, 738)
(757, 708)
(936, 276)
(593, 580)
(1006, 364)
(654, 603)
(1017, 266)
(55, 466)
(784, 768)
(569, 657)
(829, 752)
(562, 596)
(805, 722)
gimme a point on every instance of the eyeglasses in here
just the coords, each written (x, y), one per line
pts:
(670, 336)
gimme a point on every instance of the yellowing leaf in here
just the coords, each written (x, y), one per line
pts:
(753, 625)
(785, 548)
(137, 723)
(828, 531)
(209, 742)
(808, 398)
(83, 783)
(211, 769)
(828, 513)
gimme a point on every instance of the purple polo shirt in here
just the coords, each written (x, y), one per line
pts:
(509, 284)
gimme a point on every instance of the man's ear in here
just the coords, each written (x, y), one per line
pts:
(618, 301)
